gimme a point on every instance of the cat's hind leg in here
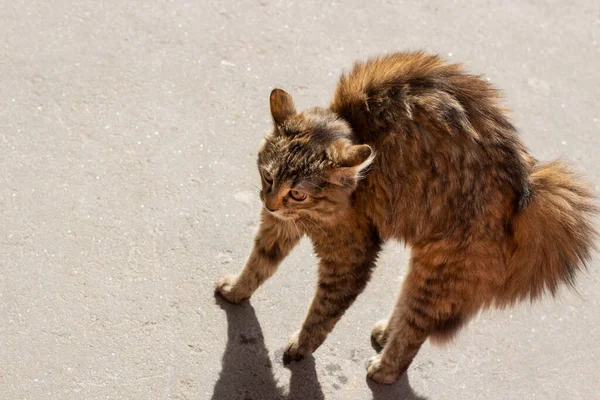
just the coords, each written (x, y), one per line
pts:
(435, 301)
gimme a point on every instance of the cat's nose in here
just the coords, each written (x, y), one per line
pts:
(272, 203)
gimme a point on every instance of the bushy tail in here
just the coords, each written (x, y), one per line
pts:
(553, 234)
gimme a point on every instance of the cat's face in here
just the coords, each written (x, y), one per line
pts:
(308, 165)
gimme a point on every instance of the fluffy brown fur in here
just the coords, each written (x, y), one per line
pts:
(416, 150)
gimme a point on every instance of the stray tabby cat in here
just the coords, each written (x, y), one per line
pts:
(416, 150)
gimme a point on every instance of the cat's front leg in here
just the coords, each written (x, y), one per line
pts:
(341, 280)
(273, 242)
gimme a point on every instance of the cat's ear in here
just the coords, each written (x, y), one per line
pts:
(354, 161)
(357, 156)
(282, 106)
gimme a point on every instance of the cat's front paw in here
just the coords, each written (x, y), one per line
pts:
(381, 372)
(226, 287)
(295, 350)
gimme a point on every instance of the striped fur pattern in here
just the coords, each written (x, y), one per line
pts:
(415, 150)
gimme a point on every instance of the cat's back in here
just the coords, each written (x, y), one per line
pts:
(382, 92)
(438, 130)
(377, 75)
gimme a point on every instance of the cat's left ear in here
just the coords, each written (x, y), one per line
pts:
(354, 161)
(282, 106)
(357, 156)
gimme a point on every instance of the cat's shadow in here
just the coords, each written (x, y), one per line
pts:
(399, 390)
(246, 372)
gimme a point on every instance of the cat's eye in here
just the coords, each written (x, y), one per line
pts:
(298, 196)
(267, 177)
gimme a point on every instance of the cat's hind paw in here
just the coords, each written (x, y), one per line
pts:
(380, 372)
(379, 334)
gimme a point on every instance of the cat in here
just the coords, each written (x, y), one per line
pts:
(413, 149)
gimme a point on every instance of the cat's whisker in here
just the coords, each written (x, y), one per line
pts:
(297, 229)
(317, 225)
(303, 225)
(324, 233)
(313, 185)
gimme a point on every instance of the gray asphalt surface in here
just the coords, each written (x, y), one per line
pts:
(127, 161)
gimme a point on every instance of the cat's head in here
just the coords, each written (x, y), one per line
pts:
(308, 164)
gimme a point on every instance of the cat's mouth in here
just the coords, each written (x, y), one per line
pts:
(283, 215)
